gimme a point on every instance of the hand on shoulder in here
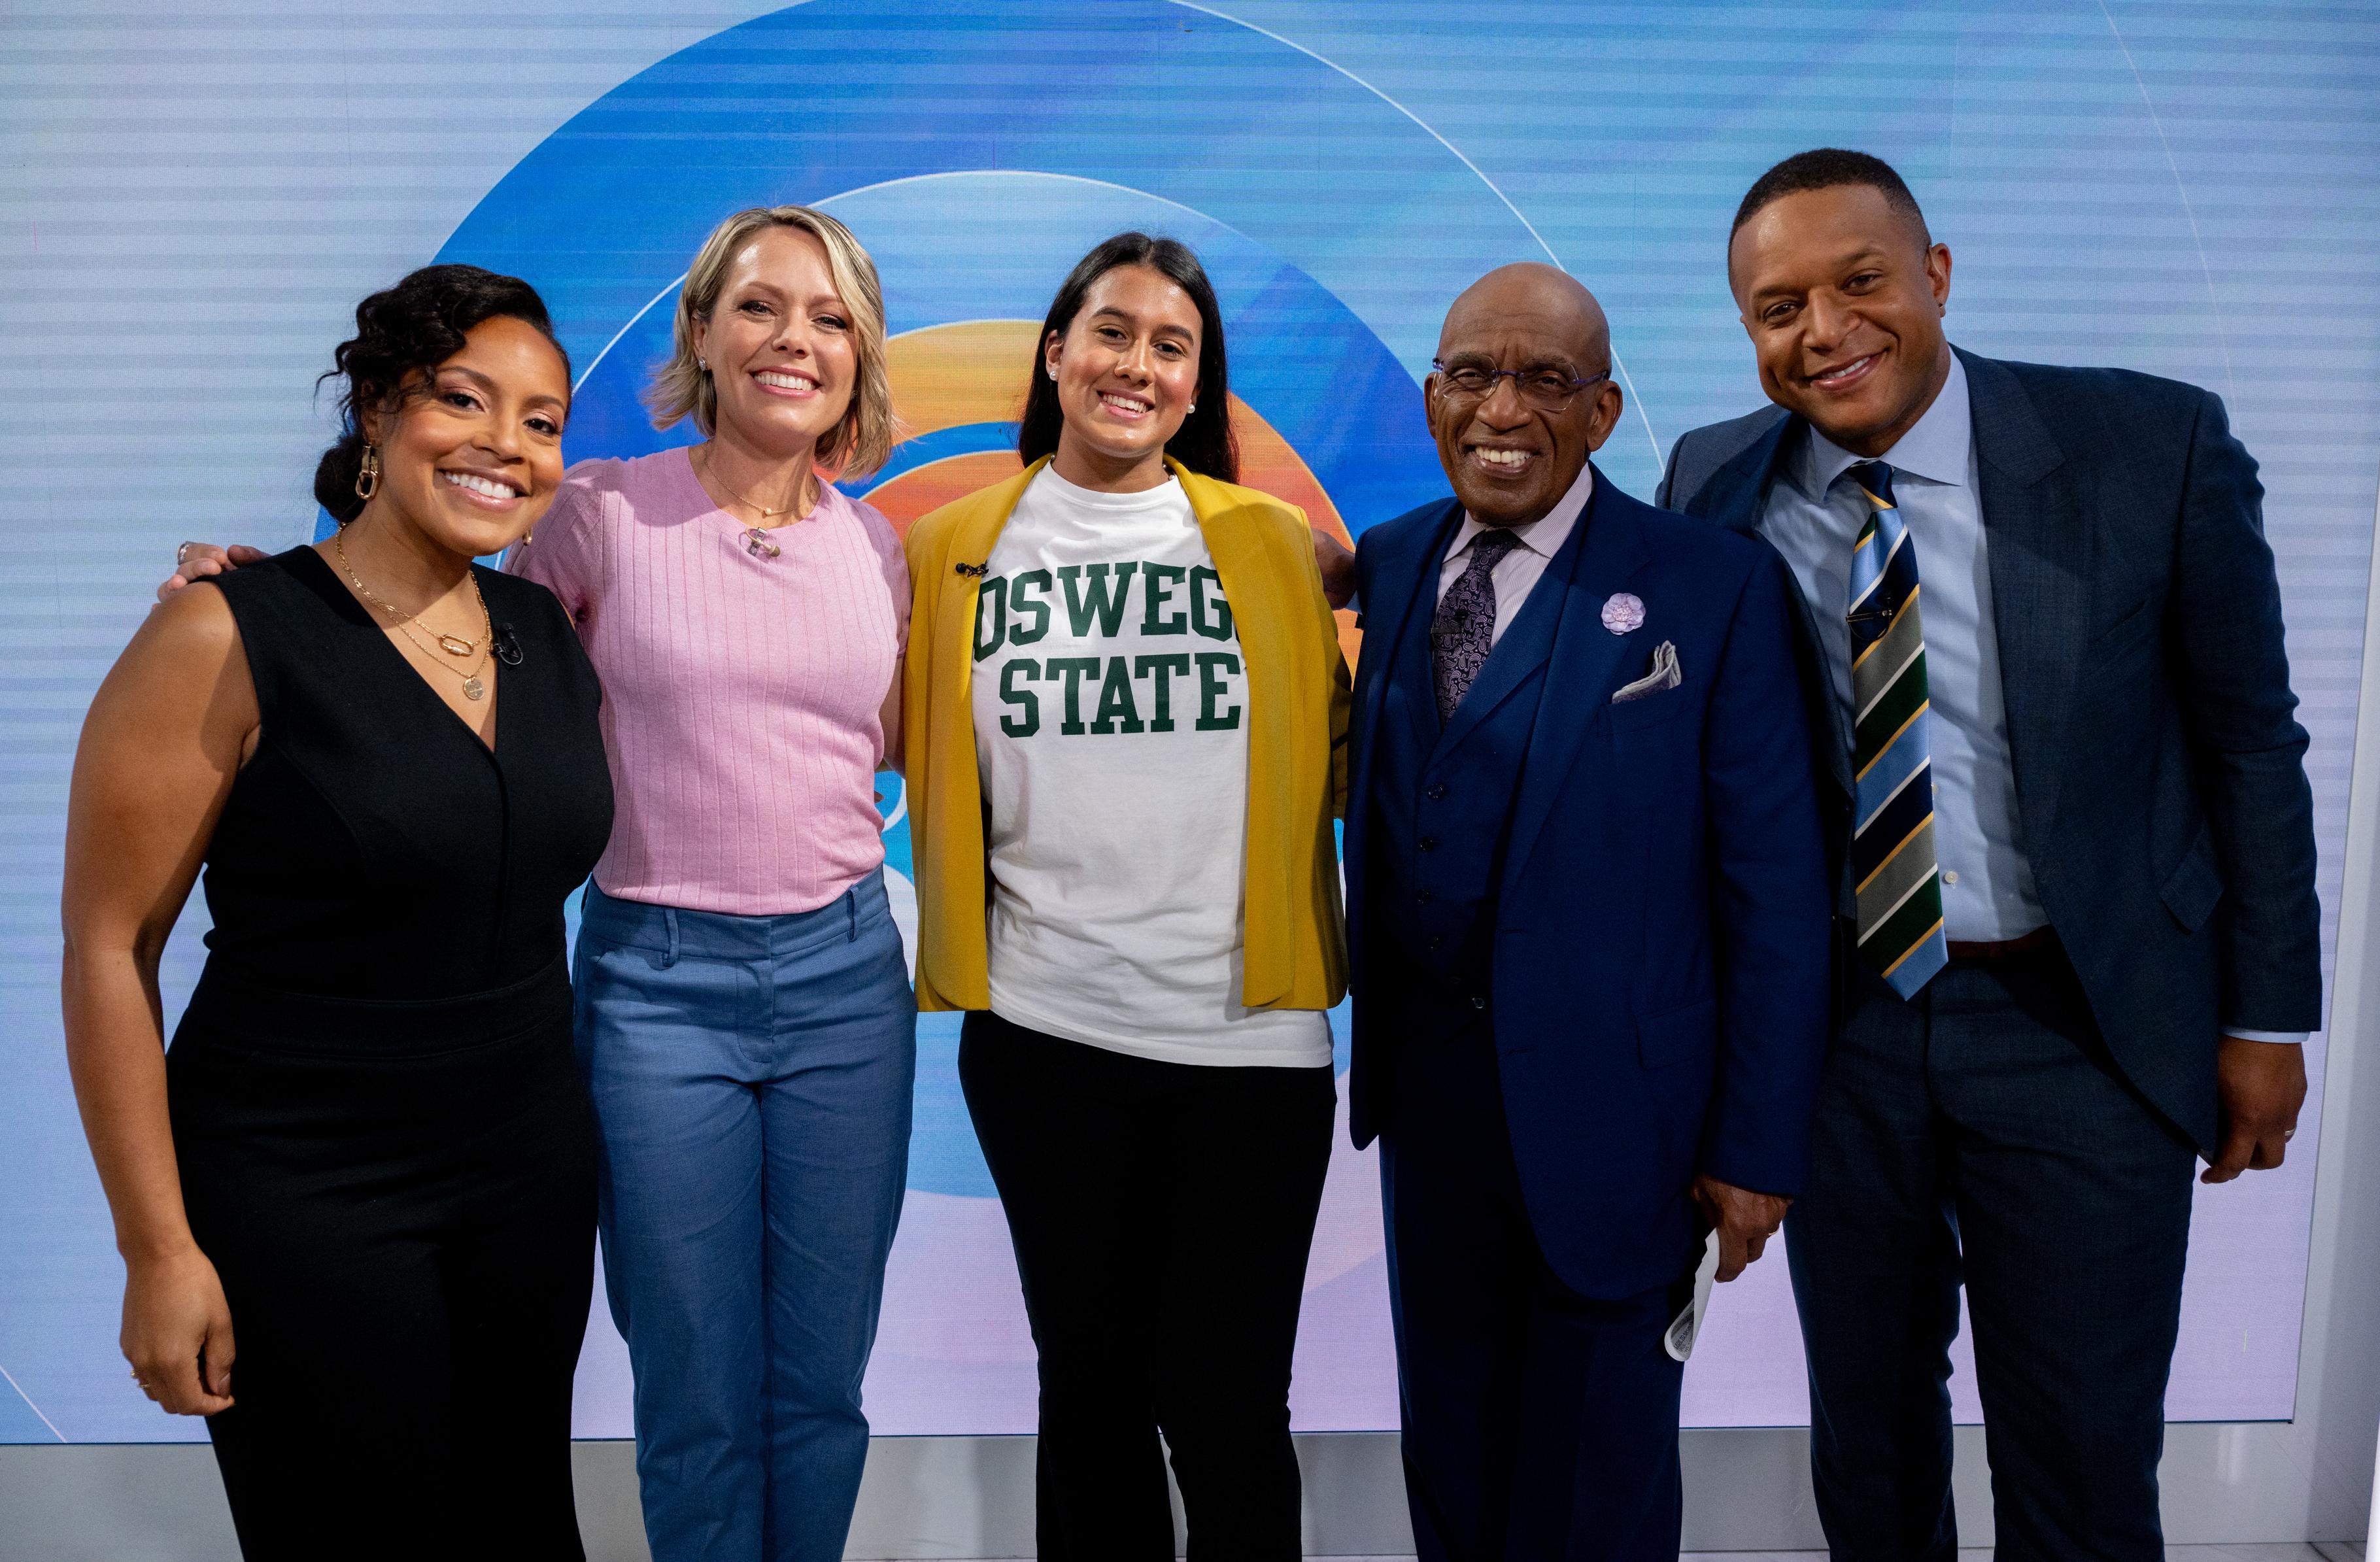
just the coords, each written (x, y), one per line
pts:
(197, 560)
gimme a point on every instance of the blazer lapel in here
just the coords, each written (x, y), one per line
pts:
(2038, 545)
(1584, 666)
(1735, 496)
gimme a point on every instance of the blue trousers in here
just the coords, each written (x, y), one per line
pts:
(1540, 1425)
(1980, 1133)
(752, 1076)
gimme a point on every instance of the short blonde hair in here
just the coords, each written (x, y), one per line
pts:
(682, 387)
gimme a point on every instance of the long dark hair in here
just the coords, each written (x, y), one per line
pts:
(1204, 442)
(402, 336)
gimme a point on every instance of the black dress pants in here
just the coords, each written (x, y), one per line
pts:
(1161, 1214)
(1981, 1134)
(404, 1230)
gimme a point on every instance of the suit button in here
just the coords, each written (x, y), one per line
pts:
(1436, 791)
(1428, 842)
(1425, 897)
(1479, 1001)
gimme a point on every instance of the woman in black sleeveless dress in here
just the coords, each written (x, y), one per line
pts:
(357, 1202)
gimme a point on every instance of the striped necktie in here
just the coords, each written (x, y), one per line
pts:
(1899, 882)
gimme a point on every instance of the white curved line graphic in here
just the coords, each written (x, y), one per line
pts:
(45, 1421)
(676, 281)
(2222, 338)
(824, 202)
(1618, 367)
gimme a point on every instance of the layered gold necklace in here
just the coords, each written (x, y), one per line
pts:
(451, 645)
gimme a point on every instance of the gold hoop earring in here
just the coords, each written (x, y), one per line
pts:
(367, 476)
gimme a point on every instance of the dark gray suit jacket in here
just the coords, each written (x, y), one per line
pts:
(2160, 773)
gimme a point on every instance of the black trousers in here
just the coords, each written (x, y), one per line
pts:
(1980, 1133)
(1540, 1425)
(400, 1201)
(1161, 1214)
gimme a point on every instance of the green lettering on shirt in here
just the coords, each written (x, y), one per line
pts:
(1073, 667)
(1026, 700)
(1107, 587)
(1213, 667)
(990, 607)
(1161, 670)
(1201, 575)
(1157, 583)
(1023, 607)
(1116, 711)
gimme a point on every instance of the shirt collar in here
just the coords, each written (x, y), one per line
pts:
(1545, 535)
(1935, 448)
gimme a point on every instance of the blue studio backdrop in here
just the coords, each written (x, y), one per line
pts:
(190, 204)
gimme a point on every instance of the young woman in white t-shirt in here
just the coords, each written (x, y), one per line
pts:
(1125, 711)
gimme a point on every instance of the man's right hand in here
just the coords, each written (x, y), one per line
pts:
(1337, 562)
(196, 561)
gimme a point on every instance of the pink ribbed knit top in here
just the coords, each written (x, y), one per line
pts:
(741, 694)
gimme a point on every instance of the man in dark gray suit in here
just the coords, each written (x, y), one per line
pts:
(2043, 656)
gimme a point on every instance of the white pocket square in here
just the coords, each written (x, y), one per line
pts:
(1664, 676)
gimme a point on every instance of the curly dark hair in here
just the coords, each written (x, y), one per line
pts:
(402, 335)
(1204, 442)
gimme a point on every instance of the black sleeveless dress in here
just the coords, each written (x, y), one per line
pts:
(386, 1149)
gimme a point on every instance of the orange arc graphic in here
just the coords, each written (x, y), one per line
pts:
(972, 372)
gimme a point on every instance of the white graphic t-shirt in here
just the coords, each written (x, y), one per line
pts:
(1110, 731)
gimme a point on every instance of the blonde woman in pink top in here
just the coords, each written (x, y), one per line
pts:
(744, 1014)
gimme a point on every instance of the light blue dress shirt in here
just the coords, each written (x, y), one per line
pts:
(1814, 517)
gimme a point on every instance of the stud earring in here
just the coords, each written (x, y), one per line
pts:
(1050, 371)
(703, 364)
(367, 474)
(1193, 406)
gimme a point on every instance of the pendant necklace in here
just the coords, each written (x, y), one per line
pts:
(757, 541)
(472, 687)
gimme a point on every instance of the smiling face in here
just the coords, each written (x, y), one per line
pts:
(473, 457)
(1843, 300)
(780, 345)
(1128, 372)
(1512, 457)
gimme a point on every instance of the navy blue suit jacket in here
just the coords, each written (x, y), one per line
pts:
(1659, 965)
(2160, 775)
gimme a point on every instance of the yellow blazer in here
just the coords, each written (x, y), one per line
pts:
(1296, 954)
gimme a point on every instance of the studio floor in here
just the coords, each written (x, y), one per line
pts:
(2282, 1550)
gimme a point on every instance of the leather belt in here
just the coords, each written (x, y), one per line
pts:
(2039, 938)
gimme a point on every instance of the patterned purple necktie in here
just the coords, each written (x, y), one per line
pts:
(1464, 630)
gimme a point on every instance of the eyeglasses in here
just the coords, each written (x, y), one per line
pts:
(1549, 390)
